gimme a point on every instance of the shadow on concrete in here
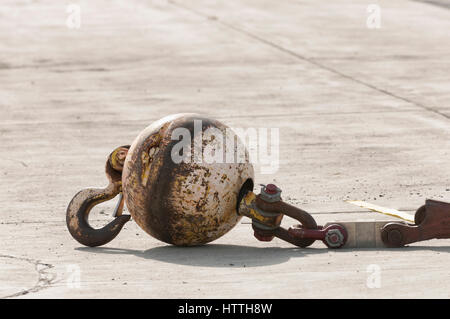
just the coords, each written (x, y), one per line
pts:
(440, 249)
(214, 255)
(406, 249)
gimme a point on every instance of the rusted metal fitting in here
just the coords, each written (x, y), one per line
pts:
(267, 210)
(305, 219)
(262, 235)
(333, 236)
(270, 193)
(263, 223)
(260, 219)
(431, 221)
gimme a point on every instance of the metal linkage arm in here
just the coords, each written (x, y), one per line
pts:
(267, 210)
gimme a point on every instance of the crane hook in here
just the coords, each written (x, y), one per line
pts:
(77, 216)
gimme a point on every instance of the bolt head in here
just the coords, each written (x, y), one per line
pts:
(271, 189)
(395, 237)
(261, 237)
(334, 238)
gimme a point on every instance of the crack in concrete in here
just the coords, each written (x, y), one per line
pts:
(304, 114)
(45, 279)
(17, 161)
(309, 60)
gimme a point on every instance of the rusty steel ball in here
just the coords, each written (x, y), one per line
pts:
(176, 186)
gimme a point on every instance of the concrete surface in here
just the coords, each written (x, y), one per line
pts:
(363, 114)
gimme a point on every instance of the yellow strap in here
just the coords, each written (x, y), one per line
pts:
(383, 210)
